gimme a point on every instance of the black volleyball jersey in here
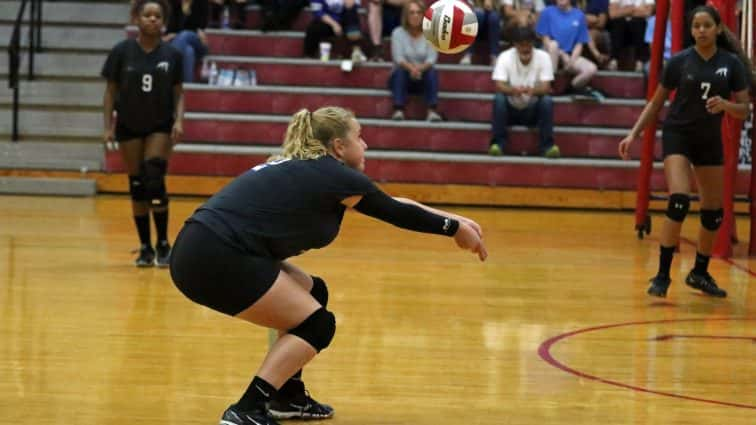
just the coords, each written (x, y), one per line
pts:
(283, 208)
(696, 80)
(145, 83)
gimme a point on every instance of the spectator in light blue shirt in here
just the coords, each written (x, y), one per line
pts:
(564, 33)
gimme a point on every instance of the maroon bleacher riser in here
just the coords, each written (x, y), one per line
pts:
(574, 114)
(500, 174)
(400, 138)
(476, 81)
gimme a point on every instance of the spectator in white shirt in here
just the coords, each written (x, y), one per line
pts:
(627, 27)
(523, 76)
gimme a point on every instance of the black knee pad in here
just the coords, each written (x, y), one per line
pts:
(319, 291)
(677, 207)
(711, 219)
(136, 189)
(318, 329)
(153, 173)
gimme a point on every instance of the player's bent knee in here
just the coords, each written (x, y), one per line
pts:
(319, 291)
(318, 329)
(136, 189)
(153, 172)
(677, 207)
(711, 219)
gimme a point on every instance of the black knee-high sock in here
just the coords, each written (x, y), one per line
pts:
(702, 263)
(143, 228)
(665, 260)
(257, 394)
(292, 386)
(161, 224)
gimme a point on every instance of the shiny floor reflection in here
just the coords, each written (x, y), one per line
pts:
(554, 328)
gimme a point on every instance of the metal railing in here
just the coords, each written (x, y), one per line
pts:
(14, 52)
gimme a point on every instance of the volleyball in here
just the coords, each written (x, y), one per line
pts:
(450, 26)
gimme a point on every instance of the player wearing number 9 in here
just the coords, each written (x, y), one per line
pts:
(705, 76)
(144, 87)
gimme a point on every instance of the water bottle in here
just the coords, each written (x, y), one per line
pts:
(205, 72)
(213, 74)
(226, 18)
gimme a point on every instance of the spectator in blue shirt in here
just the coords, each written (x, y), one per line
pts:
(564, 33)
(333, 18)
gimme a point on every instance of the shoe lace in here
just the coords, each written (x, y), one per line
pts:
(708, 281)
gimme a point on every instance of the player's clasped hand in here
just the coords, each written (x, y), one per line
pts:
(470, 238)
(715, 104)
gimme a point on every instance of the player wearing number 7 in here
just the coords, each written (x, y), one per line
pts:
(145, 89)
(705, 76)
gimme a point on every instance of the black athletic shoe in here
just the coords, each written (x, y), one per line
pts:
(234, 416)
(163, 249)
(705, 283)
(146, 257)
(300, 406)
(658, 287)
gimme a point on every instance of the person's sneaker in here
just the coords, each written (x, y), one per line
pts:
(146, 257)
(704, 283)
(358, 56)
(612, 65)
(398, 115)
(494, 150)
(234, 416)
(466, 59)
(300, 406)
(433, 116)
(658, 287)
(553, 152)
(163, 258)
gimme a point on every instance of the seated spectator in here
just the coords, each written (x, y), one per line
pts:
(185, 31)
(596, 16)
(489, 29)
(650, 25)
(334, 18)
(627, 26)
(519, 13)
(564, 33)
(280, 14)
(383, 17)
(523, 76)
(237, 13)
(414, 61)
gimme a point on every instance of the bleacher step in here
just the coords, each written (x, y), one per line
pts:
(47, 186)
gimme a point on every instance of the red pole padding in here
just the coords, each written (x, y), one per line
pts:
(649, 133)
(731, 145)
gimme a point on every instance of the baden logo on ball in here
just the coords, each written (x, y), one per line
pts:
(450, 26)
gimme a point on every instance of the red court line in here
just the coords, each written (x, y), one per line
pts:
(545, 353)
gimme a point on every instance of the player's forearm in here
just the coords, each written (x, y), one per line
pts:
(650, 112)
(178, 113)
(107, 109)
(736, 109)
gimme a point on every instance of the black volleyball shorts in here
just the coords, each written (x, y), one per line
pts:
(701, 148)
(213, 273)
(124, 134)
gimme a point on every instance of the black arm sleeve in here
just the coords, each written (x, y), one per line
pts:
(407, 216)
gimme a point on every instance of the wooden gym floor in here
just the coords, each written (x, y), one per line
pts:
(555, 328)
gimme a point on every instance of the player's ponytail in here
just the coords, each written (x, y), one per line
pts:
(726, 40)
(310, 133)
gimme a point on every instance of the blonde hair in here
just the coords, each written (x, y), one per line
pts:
(309, 134)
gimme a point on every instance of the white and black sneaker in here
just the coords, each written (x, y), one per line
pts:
(234, 416)
(163, 258)
(299, 406)
(146, 257)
